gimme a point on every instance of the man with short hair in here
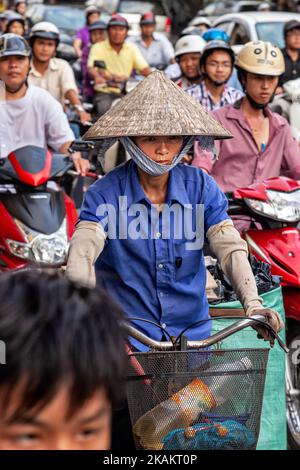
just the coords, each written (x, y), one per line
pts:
(216, 65)
(29, 115)
(188, 50)
(263, 145)
(50, 73)
(156, 49)
(120, 60)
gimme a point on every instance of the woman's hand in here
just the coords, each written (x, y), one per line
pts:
(272, 318)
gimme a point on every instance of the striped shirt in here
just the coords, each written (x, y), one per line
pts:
(201, 94)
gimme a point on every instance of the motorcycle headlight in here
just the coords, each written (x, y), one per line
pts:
(284, 207)
(45, 249)
(50, 250)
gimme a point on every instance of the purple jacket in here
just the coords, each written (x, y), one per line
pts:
(84, 35)
(239, 162)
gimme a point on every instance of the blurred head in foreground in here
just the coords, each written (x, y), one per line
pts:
(64, 364)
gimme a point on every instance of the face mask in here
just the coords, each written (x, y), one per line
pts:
(149, 166)
(144, 162)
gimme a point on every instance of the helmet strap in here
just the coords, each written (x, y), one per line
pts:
(254, 103)
(215, 83)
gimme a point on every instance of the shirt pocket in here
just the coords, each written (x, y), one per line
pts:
(186, 261)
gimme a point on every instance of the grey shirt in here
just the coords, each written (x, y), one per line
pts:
(36, 119)
(160, 51)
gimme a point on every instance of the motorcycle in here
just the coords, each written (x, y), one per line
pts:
(274, 237)
(37, 217)
(287, 104)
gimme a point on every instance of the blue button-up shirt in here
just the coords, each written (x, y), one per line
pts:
(153, 274)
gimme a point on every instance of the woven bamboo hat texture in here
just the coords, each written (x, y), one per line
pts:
(157, 106)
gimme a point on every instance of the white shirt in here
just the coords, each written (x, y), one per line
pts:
(36, 119)
(58, 79)
(173, 71)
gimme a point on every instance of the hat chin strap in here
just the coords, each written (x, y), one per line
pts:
(216, 83)
(256, 105)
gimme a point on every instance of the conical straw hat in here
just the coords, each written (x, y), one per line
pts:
(157, 106)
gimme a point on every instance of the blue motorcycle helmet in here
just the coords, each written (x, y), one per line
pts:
(216, 34)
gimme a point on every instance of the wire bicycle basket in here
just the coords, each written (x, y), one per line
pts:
(204, 399)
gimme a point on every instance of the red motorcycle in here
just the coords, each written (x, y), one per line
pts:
(273, 209)
(37, 217)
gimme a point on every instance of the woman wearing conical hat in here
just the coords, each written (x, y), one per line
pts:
(142, 226)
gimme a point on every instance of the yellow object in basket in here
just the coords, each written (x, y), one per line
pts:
(179, 411)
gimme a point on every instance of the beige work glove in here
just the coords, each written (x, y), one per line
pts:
(232, 252)
(271, 316)
(86, 245)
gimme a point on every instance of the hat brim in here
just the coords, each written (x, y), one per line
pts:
(295, 26)
(122, 25)
(156, 107)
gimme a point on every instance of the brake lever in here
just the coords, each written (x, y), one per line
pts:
(273, 332)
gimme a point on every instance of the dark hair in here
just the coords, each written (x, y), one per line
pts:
(208, 52)
(15, 20)
(57, 332)
(242, 77)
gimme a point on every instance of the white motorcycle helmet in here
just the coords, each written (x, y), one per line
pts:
(200, 20)
(44, 30)
(189, 45)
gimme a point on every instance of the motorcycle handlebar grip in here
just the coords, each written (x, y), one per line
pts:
(81, 145)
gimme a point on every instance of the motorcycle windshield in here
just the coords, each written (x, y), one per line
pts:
(33, 166)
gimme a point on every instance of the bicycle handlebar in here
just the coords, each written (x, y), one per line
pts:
(211, 340)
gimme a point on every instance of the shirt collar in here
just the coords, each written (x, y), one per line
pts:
(52, 66)
(206, 92)
(109, 47)
(235, 112)
(176, 187)
(133, 189)
(155, 38)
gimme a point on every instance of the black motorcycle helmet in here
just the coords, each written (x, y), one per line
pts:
(13, 44)
(98, 25)
(213, 46)
(208, 50)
